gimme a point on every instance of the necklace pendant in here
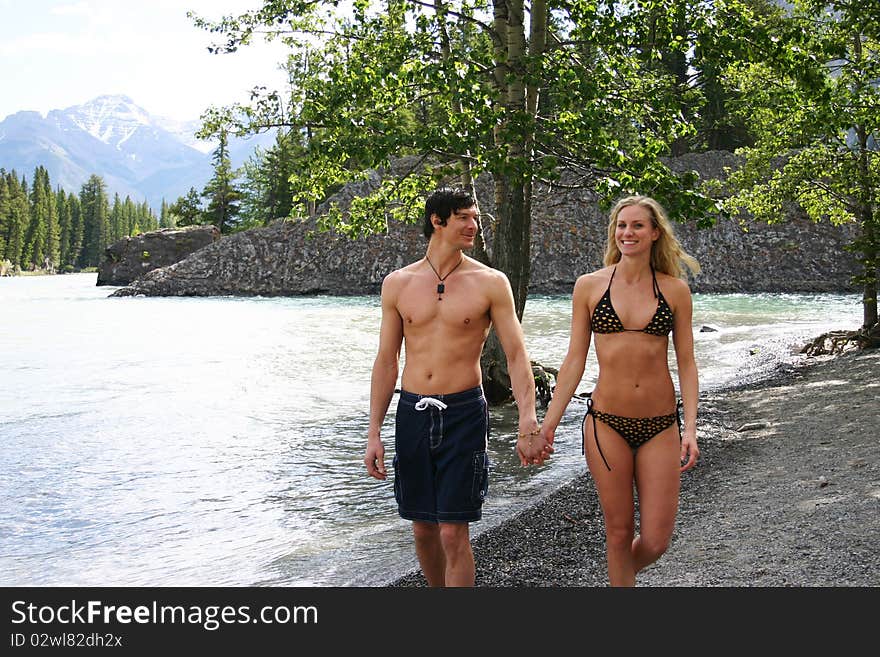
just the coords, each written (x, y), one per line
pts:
(440, 288)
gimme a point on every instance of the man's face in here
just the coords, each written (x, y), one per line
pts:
(461, 227)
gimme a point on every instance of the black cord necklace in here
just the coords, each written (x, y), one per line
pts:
(441, 286)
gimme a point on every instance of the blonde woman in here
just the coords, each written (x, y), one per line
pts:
(632, 432)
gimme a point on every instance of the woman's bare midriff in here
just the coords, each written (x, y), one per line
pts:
(634, 378)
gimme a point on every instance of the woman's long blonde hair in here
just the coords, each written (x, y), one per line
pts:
(667, 255)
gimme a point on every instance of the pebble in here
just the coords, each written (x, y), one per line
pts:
(744, 514)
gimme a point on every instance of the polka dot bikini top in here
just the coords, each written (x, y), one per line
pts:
(605, 319)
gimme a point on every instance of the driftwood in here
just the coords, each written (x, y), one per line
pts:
(545, 382)
(836, 342)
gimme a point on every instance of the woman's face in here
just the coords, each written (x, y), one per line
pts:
(635, 232)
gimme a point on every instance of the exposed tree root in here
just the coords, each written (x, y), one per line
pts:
(545, 382)
(836, 342)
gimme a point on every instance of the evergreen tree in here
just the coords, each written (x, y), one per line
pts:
(41, 228)
(74, 249)
(267, 193)
(95, 219)
(41, 248)
(166, 219)
(33, 252)
(130, 220)
(17, 217)
(146, 217)
(221, 192)
(62, 210)
(52, 248)
(4, 213)
(187, 210)
(118, 229)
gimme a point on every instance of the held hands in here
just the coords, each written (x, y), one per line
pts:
(689, 450)
(548, 434)
(532, 448)
(374, 459)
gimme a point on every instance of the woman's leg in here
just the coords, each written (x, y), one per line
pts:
(615, 488)
(657, 481)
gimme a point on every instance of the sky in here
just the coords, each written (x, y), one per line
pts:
(59, 53)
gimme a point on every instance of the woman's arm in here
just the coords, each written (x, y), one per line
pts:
(572, 368)
(688, 381)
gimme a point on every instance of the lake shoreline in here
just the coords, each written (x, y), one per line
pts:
(224, 462)
(781, 472)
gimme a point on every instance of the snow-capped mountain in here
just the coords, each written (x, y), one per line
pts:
(186, 132)
(138, 154)
(111, 119)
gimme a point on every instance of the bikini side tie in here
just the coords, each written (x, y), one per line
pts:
(595, 432)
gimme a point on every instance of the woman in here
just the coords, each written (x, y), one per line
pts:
(632, 431)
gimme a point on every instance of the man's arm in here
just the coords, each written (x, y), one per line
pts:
(384, 375)
(530, 447)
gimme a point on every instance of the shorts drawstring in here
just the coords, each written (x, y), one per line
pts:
(436, 429)
(424, 402)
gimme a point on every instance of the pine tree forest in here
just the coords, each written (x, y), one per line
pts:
(59, 231)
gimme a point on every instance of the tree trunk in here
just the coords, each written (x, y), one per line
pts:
(511, 247)
(868, 221)
(511, 236)
(512, 188)
(869, 291)
(480, 251)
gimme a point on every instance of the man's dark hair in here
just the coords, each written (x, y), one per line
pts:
(443, 203)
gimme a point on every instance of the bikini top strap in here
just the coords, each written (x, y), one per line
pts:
(613, 271)
(656, 285)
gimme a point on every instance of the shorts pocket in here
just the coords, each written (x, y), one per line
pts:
(481, 477)
(398, 484)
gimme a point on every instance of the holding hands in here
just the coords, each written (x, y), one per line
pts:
(532, 447)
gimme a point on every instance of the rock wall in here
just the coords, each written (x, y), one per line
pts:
(284, 259)
(132, 257)
(568, 239)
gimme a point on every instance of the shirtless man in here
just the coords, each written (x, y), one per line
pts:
(442, 308)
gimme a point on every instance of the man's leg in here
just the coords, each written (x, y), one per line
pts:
(455, 538)
(429, 550)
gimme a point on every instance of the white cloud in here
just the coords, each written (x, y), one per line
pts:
(73, 9)
(61, 53)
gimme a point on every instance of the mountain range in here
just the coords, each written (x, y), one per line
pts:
(137, 154)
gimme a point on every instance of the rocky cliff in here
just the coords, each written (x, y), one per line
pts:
(132, 257)
(568, 237)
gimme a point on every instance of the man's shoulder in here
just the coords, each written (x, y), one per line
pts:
(493, 280)
(393, 282)
(491, 272)
(399, 276)
(482, 269)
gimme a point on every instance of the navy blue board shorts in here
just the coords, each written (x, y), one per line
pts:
(441, 467)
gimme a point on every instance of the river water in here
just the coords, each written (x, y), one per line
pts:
(219, 441)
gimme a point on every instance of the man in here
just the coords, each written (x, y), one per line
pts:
(442, 308)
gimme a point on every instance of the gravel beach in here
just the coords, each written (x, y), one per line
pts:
(786, 493)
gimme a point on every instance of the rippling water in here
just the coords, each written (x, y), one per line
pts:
(218, 442)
